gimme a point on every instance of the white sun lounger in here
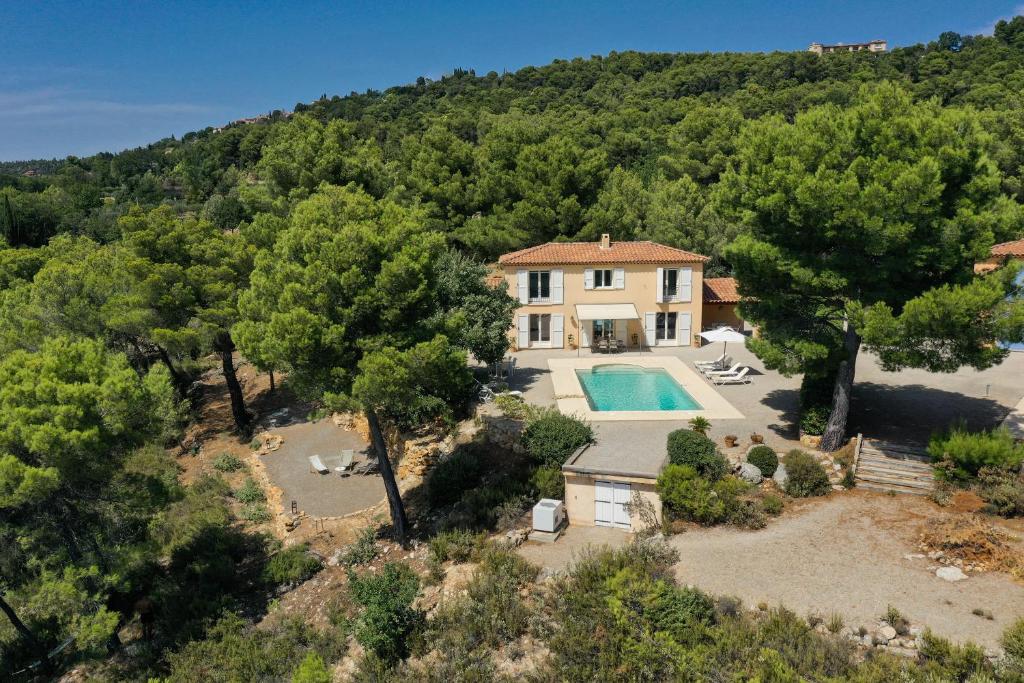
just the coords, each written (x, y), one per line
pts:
(731, 371)
(732, 378)
(317, 465)
(719, 362)
(345, 468)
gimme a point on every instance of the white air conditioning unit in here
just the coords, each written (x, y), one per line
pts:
(548, 515)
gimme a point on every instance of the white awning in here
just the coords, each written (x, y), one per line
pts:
(606, 312)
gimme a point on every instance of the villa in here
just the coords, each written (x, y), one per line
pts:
(600, 299)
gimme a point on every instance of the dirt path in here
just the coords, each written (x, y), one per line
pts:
(846, 555)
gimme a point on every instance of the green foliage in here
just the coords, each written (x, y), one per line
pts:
(363, 550)
(551, 437)
(687, 495)
(387, 619)
(292, 566)
(312, 670)
(250, 492)
(963, 454)
(457, 545)
(513, 406)
(450, 478)
(699, 424)
(1013, 643)
(814, 419)
(960, 662)
(772, 504)
(1002, 491)
(549, 482)
(805, 475)
(687, 447)
(226, 462)
(764, 458)
(256, 513)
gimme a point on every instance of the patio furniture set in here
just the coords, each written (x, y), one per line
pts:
(722, 370)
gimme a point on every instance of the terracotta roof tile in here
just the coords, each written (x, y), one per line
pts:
(583, 253)
(1014, 248)
(720, 290)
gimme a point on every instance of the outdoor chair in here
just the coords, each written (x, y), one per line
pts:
(371, 466)
(614, 346)
(733, 378)
(731, 371)
(602, 345)
(485, 393)
(719, 363)
(345, 468)
(317, 465)
(510, 367)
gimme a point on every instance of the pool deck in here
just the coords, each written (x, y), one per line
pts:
(571, 400)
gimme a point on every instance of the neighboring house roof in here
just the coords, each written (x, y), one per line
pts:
(1014, 248)
(586, 253)
(720, 290)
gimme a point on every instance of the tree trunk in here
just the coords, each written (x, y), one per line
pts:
(226, 347)
(272, 386)
(835, 431)
(176, 378)
(19, 625)
(398, 518)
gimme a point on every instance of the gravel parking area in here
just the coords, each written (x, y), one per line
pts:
(320, 495)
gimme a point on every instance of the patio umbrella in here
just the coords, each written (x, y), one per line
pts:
(724, 335)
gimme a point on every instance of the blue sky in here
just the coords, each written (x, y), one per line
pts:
(82, 77)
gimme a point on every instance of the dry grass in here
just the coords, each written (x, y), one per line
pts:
(974, 541)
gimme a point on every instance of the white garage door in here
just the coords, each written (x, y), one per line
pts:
(610, 499)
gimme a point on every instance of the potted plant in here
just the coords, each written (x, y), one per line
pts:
(572, 341)
(731, 440)
(756, 438)
(700, 425)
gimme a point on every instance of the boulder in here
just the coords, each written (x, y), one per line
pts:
(749, 473)
(780, 477)
(950, 574)
(886, 633)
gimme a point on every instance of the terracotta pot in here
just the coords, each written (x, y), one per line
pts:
(730, 441)
(756, 438)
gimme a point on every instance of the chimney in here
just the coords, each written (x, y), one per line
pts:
(606, 241)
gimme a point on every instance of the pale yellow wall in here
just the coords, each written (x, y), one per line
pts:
(641, 286)
(724, 314)
(579, 497)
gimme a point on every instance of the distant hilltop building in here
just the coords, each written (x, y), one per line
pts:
(872, 46)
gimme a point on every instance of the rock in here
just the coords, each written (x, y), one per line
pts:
(749, 473)
(914, 556)
(780, 477)
(935, 554)
(838, 487)
(915, 631)
(866, 639)
(902, 652)
(846, 632)
(950, 574)
(887, 633)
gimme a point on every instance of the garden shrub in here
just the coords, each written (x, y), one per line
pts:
(764, 458)
(226, 462)
(687, 447)
(1002, 491)
(814, 419)
(1013, 644)
(256, 513)
(965, 453)
(806, 476)
(250, 492)
(816, 390)
(457, 545)
(292, 565)
(450, 478)
(513, 406)
(387, 620)
(958, 662)
(363, 549)
(312, 670)
(549, 482)
(772, 504)
(551, 437)
(687, 495)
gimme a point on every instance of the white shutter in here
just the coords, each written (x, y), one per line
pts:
(523, 280)
(659, 287)
(556, 286)
(588, 278)
(650, 320)
(557, 323)
(684, 288)
(684, 329)
(523, 339)
(620, 278)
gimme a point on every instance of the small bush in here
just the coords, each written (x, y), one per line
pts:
(513, 406)
(457, 545)
(450, 478)
(772, 504)
(814, 419)
(549, 482)
(966, 453)
(687, 447)
(764, 459)
(256, 513)
(363, 549)
(959, 662)
(551, 437)
(250, 492)
(806, 476)
(292, 565)
(1013, 643)
(895, 618)
(387, 619)
(1002, 491)
(225, 462)
(687, 495)
(312, 670)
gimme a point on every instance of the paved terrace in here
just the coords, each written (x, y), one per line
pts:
(906, 406)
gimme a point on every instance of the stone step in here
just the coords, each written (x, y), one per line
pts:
(885, 488)
(897, 465)
(894, 480)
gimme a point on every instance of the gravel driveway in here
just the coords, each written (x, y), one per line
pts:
(846, 555)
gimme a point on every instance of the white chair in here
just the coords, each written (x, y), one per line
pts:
(734, 378)
(347, 457)
(731, 371)
(719, 363)
(317, 465)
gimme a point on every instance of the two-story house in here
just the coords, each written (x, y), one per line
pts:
(577, 293)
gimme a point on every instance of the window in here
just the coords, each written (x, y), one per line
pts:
(540, 285)
(604, 329)
(603, 279)
(670, 283)
(665, 326)
(540, 327)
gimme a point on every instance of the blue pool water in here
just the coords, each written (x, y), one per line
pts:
(630, 387)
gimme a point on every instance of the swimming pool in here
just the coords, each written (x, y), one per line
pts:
(631, 387)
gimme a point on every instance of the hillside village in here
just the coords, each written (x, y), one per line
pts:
(645, 366)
